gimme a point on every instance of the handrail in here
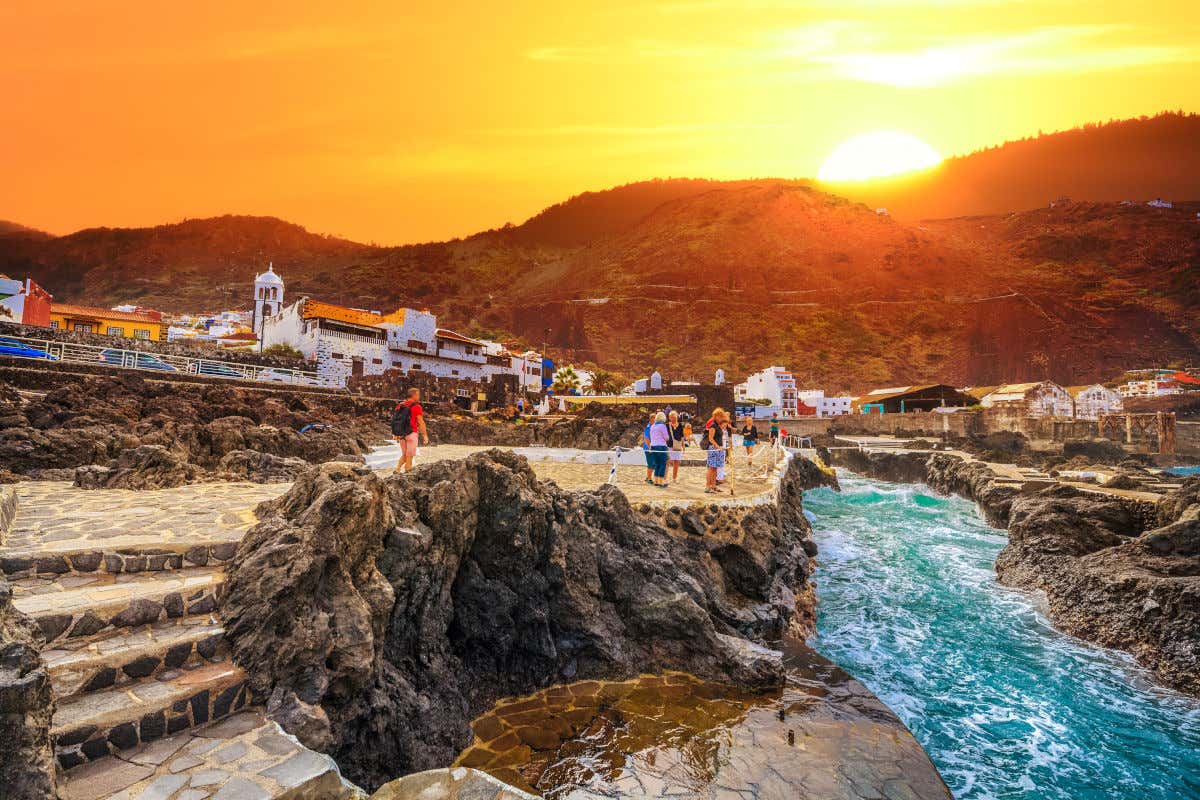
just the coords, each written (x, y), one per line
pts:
(150, 361)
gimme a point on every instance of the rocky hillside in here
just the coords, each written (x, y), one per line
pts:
(686, 276)
(1125, 159)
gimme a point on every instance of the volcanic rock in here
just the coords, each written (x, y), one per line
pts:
(26, 707)
(381, 615)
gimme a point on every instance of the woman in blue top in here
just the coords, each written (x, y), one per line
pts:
(659, 437)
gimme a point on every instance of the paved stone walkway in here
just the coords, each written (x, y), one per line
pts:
(244, 757)
(589, 469)
(59, 528)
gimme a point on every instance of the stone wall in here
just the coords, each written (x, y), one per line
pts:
(500, 391)
(184, 349)
(1187, 439)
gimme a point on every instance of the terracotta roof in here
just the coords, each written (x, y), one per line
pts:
(443, 333)
(106, 313)
(315, 309)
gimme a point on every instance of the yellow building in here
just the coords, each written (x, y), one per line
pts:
(130, 324)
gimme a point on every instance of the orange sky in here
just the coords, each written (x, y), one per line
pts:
(400, 121)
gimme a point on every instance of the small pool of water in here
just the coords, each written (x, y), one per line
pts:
(1194, 470)
(674, 735)
(1006, 706)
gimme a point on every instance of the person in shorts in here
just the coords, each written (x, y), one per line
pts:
(774, 429)
(408, 421)
(716, 430)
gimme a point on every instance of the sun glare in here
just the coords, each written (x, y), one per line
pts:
(876, 154)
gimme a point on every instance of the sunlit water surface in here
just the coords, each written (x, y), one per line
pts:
(1006, 706)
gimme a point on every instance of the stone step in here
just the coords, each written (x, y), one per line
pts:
(122, 554)
(96, 724)
(243, 756)
(121, 655)
(74, 605)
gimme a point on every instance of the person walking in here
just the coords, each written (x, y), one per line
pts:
(749, 434)
(660, 443)
(408, 419)
(715, 432)
(675, 454)
(774, 428)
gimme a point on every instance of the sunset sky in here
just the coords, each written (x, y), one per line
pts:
(400, 122)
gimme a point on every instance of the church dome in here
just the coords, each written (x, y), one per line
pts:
(270, 277)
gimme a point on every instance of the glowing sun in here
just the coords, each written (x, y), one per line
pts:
(875, 154)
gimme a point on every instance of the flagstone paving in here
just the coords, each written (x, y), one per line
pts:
(59, 528)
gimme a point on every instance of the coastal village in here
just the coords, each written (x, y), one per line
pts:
(341, 345)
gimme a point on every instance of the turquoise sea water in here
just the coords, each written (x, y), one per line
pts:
(1006, 706)
(1184, 470)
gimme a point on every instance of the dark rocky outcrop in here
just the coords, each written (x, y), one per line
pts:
(95, 420)
(1109, 582)
(378, 616)
(898, 467)
(259, 467)
(26, 707)
(593, 427)
(973, 480)
(144, 467)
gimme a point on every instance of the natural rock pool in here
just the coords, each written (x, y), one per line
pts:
(821, 737)
(1006, 706)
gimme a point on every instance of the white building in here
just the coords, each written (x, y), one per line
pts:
(268, 297)
(773, 384)
(1158, 202)
(344, 342)
(825, 406)
(1092, 401)
(1040, 399)
(1152, 387)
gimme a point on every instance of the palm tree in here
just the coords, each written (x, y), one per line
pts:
(565, 379)
(606, 382)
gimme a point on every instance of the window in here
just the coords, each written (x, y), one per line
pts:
(83, 327)
(416, 344)
(113, 330)
(453, 372)
(416, 367)
(338, 356)
(376, 360)
(53, 323)
(463, 392)
(141, 333)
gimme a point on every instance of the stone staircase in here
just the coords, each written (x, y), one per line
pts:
(148, 703)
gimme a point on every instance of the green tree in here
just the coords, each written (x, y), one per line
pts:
(607, 382)
(565, 379)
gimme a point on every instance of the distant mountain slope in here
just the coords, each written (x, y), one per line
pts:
(689, 276)
(1137, 159)
(14, 229)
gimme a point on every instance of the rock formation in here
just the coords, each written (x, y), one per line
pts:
(96, 420)
(1109, 582)
(378, 616)
(26, 707)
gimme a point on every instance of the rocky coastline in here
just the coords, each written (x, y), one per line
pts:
(1115, 570)
(377, 617)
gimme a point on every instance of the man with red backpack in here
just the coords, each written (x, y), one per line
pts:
(408, 418)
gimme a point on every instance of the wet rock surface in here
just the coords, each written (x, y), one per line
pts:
(26, 707)
(379, 616)
(821, 735)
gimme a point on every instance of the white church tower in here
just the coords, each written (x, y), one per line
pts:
(268, 296)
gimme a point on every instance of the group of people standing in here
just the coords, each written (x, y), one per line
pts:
(666, 436)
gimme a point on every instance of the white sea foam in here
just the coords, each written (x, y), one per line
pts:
(1006, 706)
